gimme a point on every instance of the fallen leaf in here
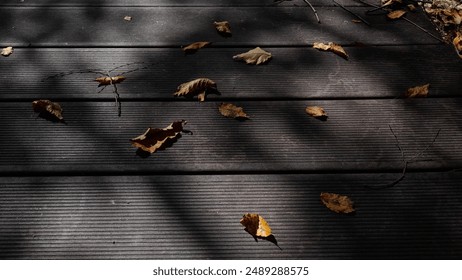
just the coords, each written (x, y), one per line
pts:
(356, 21)
(411, 7)
(105, 81)
(457, 42)
(255, 225)
(396, 14)
(418, 91)
(196, 87)
(451, 16)
(255, 56)
(232, 111)
(128, 18)
(46, 108)
(223, 28)
(194, 47)
(332, 47)
(156, 138)
(316, 112)
(7, 51)
(337, 203)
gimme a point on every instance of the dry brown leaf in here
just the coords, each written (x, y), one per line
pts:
(223, 28)
(127, 18)
(390, 2)
(451, 16)
(255, 225)
(232, 111)
(337, 203)
(46, 108)
(411, 7)
(418, 91)
(157, 138)
(196, 87)
(396, 14)
(457, 42)
(7, 51)
(105, 81)
(331, 47)
(194, 47)
(316, 112)
(255, 56)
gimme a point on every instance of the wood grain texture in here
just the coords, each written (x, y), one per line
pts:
(197, 217)
(371, 72)
(280, 137)
(173, 26)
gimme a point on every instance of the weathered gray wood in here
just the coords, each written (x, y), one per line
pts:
(167, 26)
(292, 73)
(169, 3)
(197, 217)
(279, 137)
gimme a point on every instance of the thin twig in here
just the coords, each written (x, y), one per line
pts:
(116, 95)
(314, 10)
(351, 12)
(426, 148)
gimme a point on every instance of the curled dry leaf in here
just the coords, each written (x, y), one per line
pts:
(457, 42)
(127, 18)
(223, 28)
(396, 14)
(7, 51)
(337, 203)
(48, 109)
(105, 81)
(232, 111)
(316, 112)
(418, 91)
(331, 47)
(156, 138)
(255, 56)
(194, 47)
(196, 87)
(255, 225)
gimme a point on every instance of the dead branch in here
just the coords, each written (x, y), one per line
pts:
(314, 10)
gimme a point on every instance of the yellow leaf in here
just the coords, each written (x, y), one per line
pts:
(157, 138)
(192, 48)
(457, 42)
(105, 81)
(332, 47)
(255, 56)
(7, 51)
(337, 203)
(48, 109)
(232, 111)
(223, 28)
(418, 91)
(396, 14)
(196, 87)
(316, 112)
(255, 225)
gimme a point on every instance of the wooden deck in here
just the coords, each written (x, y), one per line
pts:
(80, 191)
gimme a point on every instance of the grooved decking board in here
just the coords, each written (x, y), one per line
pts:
(147, 3)
(292, 73)
(280, 137)
(167, 26)
(197, 217)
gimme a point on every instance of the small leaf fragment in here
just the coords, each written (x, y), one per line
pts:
(127, 18)
(331, 47)
(7, 51)
(316, 112)
(255, 56)
(396, 14)
(418, 91)
(194, 47)
(105, 81)
(457, 42)
(154, 139)
(232, 111)
(197, 87)
(337, 203)
(223, 28)
(48, 109)
(356, 21)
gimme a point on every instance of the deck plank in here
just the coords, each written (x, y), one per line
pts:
(197, 217)
(371, 72)
(173, 26)
(280, 137)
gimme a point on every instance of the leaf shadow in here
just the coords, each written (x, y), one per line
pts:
(167, 144)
